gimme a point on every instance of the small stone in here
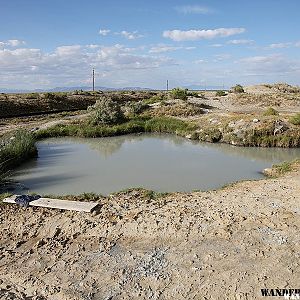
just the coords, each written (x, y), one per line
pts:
(255, 120)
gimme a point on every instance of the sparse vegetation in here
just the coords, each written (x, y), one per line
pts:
(271, 112)
(220, 93)
(16, 148)
(135, 125)
(135, 108)
(178, 110)
(155, 99)
(106, 111)
(283, 168)
(295, 120)
(194, 94)
(238, 89)
(179, 93)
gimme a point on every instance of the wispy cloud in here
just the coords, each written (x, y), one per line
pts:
(130, 35)
(199, 61)
(241, 42)
(194, 9)
(194, 35)
(269, 64)
(280, 45)
(11, 43)
(221, 57)
(216, 45)
(104, 32)
(168, 48)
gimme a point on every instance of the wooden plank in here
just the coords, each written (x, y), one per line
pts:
(59, 204)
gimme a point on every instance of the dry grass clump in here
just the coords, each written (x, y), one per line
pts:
(284, 88)
(266, 100)
(178, 110)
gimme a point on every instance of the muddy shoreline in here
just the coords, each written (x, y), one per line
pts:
(225, 244)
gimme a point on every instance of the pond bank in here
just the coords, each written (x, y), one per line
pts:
(231, 242)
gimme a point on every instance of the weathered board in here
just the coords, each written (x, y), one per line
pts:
(59, 204)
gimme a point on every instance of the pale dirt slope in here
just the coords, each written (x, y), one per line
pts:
(225, 244)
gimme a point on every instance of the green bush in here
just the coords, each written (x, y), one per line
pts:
(106, 111)
(178, 93)
(238, 89)
(220, 93)
(295, 119)
(155, 99)
(135, 108)
(32, 96)
(271, 112)
(49, 96)
(16, 148)
(194, 94)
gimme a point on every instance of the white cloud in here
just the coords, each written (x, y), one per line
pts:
(297, 44)
(11, 43)
(199, 61)
(104, 32)
(280, 45)
(130, 35)
(69, 65)
(216, 45)
(221, 57)
(194, 9)
(167, 48)
(194, 35)
(241, 42)
(269, 64)
(68, 50)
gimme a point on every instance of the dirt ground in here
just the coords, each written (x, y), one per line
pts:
(225, 244)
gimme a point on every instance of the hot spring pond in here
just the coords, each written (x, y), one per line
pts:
(163, 163)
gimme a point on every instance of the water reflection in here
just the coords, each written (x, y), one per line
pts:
(159, 162)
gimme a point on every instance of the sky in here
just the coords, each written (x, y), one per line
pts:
(46, 44)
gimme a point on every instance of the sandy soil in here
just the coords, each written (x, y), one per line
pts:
(225, 244)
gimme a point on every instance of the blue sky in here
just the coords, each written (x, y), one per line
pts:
(53, 43)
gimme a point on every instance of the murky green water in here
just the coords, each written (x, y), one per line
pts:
(162, 163)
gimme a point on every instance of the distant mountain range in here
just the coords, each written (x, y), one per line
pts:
(102, 88)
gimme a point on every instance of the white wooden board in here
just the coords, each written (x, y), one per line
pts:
(59, 204)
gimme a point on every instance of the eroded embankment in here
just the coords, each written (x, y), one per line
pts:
(225, 244)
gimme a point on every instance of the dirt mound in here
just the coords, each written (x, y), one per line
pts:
(272, 88)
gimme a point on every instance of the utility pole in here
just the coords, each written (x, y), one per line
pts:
(167, 85)
(93, 80)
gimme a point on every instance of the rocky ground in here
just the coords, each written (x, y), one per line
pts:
(225, 244)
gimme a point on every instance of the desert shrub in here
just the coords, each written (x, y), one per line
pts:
(16, 148)
(178, 110)
(106, 111)
(194, 94)
(286, 88)
(135, 108)
(178, 93)
(55, 96)
(238, 89)
(295, 119)
(220, 93)
(49, 96)
(155, 99)
(32, 96)
(271, 112)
